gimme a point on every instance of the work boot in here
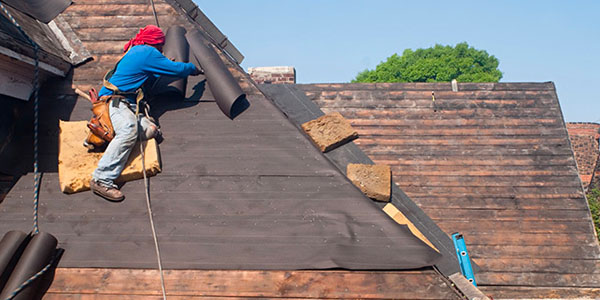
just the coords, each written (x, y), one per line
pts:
(107, 192)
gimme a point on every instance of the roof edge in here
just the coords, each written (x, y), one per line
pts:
(55, 70)
(583, 190)
(214, 34)
(437, 86)
(69, 40)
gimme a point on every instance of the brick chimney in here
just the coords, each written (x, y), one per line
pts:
(273, 75)
(584, 141)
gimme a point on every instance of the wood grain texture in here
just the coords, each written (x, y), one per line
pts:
(516, 292)
(492, 161)
(196, 284)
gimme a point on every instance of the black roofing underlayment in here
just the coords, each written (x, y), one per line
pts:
(249, 193)
(300, 109)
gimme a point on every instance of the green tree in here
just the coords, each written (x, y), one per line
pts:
(593, 197)
(439, 63)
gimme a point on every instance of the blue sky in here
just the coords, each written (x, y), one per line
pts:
(332, 40)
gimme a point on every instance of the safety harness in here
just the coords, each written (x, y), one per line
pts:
(100, 125)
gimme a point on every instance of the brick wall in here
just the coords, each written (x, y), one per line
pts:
(584, 140)
(274, 75)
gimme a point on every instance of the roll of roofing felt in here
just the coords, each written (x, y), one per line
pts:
(229, 96)
(37, 255)
(11, 247)
(177, 49)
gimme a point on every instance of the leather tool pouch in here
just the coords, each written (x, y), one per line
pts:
(101, 129)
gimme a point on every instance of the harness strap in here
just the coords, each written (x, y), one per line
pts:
(139, 92)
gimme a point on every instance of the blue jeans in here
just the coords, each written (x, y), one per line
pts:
(117, 152)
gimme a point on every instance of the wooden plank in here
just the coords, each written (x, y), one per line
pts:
(536, 279)
(472, 171)
(501, 228)
(358, 102)
(86, 10)
(506, 214)
(467, 288)
(104, 47)
(428, 113)
(76, 296)
(400, 218)
(540, 265)
(448, 160)
(426, 150)
(473, 121)
(478, 190)
(475, 237)
(515, 291)
(251, 284)
(579, 251)
(105, 34)
(96, 21)
(487, 170)
(441, 141)
(14, 85)
(401, 97)
(381, 132)
(145, 2)
(502, 201)
(439, 181)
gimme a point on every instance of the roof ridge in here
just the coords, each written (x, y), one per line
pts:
(437, 86)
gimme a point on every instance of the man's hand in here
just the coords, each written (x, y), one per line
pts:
(197, 71)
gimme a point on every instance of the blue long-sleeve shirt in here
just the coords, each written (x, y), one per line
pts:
(140, 63)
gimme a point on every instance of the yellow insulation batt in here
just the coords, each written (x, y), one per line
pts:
(76, 164)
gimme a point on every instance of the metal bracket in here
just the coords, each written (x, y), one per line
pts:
(463, 257)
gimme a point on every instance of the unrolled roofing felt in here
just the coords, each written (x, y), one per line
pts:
(249, 193)
(300, 109)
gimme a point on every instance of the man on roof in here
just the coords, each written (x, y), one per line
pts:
(142, 63)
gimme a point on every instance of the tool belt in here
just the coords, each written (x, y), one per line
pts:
(101, 129)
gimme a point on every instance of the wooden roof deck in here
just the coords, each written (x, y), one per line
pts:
(104, 26)
(492, 161)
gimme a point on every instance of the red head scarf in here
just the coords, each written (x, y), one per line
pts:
(149, 35)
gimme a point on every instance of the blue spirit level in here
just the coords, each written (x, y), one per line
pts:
(463, 257)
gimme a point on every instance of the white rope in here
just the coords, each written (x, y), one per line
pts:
(154, 12)
(148, 205)
(147, 190)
